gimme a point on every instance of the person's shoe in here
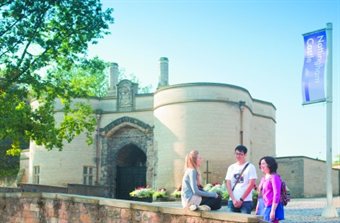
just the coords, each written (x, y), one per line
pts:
(204, 208)
(193, 207)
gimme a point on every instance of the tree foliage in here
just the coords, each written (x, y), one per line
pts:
(86, 78)
(37, 35)
(9, 165)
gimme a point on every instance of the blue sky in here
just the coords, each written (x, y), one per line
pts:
(256, 45)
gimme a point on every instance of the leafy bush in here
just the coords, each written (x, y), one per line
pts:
(255, 194)
(176, 193)
(218, 188)
(9, 165)
(160, 193)
(142, 192)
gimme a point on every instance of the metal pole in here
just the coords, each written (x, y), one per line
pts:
(329, 211)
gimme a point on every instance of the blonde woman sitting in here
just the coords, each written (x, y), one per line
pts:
(191, 195)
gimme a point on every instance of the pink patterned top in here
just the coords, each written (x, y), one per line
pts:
(271, 189)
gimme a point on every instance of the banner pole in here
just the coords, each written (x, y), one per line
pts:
(329, 211)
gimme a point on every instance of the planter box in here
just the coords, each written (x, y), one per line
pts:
(166, 199)
(142, 199)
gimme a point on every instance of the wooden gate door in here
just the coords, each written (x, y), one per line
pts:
(128, 178)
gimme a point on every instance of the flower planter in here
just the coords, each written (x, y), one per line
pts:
(178, 199)
(142, 199)
(161, 199)
(165, 199)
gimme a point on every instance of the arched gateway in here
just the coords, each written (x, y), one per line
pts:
(155, 131)
(131, 170)
(127, 160)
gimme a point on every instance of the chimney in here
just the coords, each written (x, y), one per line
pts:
(114, 73)
(164, 74)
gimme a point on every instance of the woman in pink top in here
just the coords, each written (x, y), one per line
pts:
(271, 190)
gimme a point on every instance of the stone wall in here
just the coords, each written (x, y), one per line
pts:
(79, 189)
(208, 117)
(306, 177)
(51, 208)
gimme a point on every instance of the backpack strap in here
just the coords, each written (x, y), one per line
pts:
(239, 177)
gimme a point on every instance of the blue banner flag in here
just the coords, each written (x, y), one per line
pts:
(313, 89)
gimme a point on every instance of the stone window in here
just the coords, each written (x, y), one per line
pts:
(88, 175)
(36, 173)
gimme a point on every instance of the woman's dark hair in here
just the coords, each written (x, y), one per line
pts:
(271, 162)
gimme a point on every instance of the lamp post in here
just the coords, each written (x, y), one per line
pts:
(329, 211)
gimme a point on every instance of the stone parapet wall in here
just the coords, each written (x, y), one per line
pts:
(76, 189)
(52, 208)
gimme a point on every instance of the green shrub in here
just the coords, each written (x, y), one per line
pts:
(160, 193)
(142, 192)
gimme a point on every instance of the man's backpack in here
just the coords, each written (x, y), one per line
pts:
(285, 194)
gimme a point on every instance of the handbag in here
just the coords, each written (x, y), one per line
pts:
(238, 179)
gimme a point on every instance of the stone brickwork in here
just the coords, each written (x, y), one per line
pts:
(53, 208)
(306, 177)
(59, 168)
(121, 132)
(165, 125)
(210, 117)
(77, 189)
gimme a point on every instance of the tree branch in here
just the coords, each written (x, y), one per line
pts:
(25, 52)
(11, 26)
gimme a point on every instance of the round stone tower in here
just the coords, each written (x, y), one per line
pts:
(211, 118)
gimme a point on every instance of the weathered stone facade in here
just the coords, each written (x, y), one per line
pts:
(306, 176)
(119, 133)
(153, 132)
(45, 207)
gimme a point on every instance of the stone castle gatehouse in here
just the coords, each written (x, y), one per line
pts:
(142, 139)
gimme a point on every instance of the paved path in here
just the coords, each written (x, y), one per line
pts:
(310, 210)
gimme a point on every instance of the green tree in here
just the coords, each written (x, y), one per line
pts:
(9, 165)
(86, 78)
(37, 35)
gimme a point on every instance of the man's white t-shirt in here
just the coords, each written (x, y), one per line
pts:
(233, 173)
